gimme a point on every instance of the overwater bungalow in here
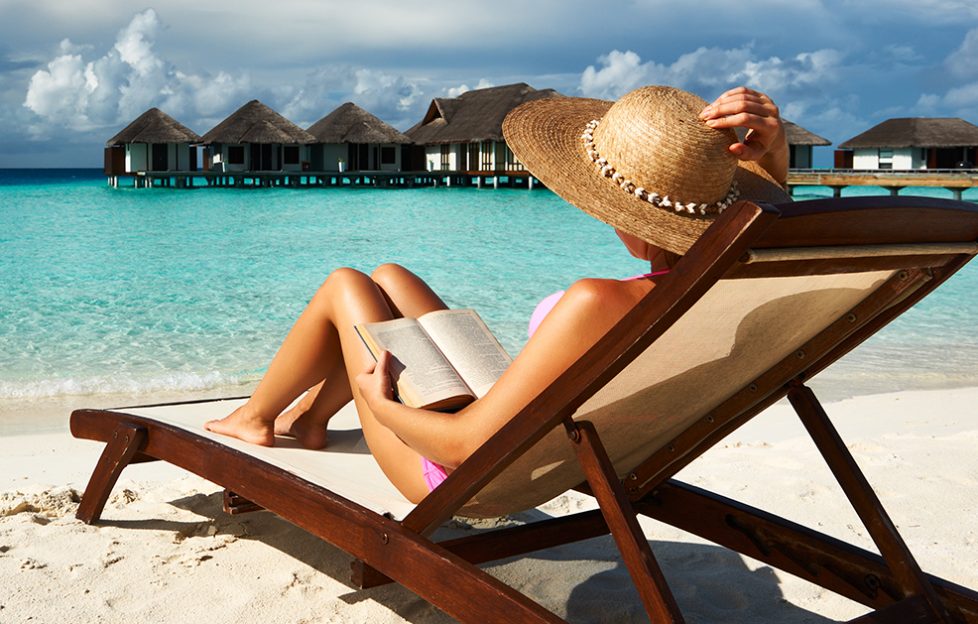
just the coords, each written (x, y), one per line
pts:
(154, 141)
(800, 144)
(351, 139)
(912, 143)
(256, 138)
(464, 134)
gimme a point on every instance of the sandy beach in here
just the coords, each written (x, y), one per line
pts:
(165, 552)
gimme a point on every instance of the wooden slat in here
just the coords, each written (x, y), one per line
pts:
(857, 251)
(506, 542)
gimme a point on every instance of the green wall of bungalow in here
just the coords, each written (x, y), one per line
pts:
(337, 157)
(243, 157)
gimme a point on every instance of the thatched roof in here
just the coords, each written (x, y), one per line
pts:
(473, 116)
(917, 132)
(154, 126)
(256, 123)
(351, 124)
(799, 136)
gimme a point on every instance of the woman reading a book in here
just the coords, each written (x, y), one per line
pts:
(658, 165)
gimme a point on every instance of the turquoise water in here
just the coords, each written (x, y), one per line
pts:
(131, 291)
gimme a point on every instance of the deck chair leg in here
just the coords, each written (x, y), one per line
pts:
(893, 549)
(126, 441)
(618, 513)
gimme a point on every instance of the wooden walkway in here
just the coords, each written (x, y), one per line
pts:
(955, 180)
(308, 179)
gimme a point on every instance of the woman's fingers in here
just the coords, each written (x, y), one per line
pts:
(741, 107)
(375, 381)
(722, 109)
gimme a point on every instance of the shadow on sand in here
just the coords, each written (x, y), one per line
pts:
(584, 582)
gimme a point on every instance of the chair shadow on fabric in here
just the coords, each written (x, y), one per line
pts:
(709, 357)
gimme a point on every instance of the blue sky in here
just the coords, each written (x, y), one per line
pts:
(74, 73)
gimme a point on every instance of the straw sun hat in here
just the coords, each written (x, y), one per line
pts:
(645, 164)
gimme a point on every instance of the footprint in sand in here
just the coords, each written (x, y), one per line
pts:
(32, 564)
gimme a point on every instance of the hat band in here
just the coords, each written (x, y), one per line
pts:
(661, 201)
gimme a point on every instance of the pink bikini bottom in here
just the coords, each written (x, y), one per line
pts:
(433, 473)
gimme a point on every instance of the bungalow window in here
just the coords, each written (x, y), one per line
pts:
(512, 162)
(886, 159)
(388, 156)
(236, 155)
(446, 151)
(290, 154)
(486, 156)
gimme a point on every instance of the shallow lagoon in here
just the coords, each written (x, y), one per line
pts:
(140, 291)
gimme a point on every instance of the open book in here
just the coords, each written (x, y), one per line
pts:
(442, 360)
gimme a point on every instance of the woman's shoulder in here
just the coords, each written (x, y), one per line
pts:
(605, 292)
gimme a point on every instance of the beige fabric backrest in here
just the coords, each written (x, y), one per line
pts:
(738, 330)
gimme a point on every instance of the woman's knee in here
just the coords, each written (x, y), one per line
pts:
(341, 279)
(389, 273)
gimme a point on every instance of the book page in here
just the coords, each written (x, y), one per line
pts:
(469, 345)
(422, 373)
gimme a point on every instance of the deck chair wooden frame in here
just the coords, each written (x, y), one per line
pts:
(923, 241)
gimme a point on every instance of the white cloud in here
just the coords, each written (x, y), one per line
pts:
(927, 11)
(393, 98)
(122, 83)
(709, 69)
(903, 53)
(963, 98)
(963, 62)
(927, 103)
(454, 92)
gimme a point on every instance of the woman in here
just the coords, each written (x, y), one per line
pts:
(658, 165)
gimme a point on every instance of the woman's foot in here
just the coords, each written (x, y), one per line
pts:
(245, 425)
(301, 423)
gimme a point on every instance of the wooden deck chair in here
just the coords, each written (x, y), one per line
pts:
(766, 298)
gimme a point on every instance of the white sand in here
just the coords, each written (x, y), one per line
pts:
(165, 552)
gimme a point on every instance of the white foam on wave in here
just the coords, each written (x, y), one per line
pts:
(118, 384)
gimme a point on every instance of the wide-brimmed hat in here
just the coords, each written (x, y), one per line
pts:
(645, 164)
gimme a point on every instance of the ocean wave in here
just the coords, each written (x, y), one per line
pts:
(118, 384)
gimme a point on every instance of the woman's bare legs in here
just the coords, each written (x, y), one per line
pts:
(407, 295)
(310, 352)
(321, 336)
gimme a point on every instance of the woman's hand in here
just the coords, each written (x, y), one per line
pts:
(765, 141)
(375, 383)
